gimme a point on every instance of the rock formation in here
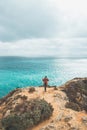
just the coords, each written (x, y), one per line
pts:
(69, 102)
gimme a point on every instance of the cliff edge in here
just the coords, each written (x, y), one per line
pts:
(66, 106)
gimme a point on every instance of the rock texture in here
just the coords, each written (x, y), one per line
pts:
(69, 102)
(76, 91)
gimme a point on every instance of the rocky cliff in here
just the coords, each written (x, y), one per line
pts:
(60, 108)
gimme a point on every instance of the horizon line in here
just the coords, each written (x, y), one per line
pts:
(45, 57)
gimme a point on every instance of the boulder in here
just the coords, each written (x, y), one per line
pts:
(84, 120)
(76, 90)
(49, 127)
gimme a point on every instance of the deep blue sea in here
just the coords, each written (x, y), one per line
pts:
(21, 72)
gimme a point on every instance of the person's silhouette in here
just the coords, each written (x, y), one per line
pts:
(45, 82)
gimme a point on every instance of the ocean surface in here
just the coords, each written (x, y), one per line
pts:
(21, 72)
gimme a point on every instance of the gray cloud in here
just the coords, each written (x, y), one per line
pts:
(45, 47)
(43, 28)
(42, 19)
(27, 19)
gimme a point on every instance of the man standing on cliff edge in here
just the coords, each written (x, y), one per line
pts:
(45, 82)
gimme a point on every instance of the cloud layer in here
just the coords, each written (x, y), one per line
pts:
(45, 47)
(43, 28)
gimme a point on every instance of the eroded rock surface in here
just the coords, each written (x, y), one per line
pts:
(69, 102)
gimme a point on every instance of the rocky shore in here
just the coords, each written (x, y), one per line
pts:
(67, 103)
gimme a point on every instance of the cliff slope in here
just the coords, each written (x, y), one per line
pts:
(69, 102)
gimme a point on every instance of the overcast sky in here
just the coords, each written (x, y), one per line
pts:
(43, 28)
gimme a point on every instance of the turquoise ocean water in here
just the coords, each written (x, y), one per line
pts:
(21, 72)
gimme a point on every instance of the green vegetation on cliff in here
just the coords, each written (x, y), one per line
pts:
(27, 114)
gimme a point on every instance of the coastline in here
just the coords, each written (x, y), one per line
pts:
(63, 117)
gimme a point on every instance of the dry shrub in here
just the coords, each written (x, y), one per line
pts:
(28, 114)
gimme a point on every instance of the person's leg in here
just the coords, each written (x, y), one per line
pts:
(45, 87)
